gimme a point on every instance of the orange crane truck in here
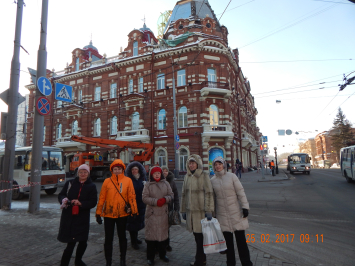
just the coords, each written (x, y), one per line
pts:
(99, 168)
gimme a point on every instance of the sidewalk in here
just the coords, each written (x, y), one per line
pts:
(27, 239)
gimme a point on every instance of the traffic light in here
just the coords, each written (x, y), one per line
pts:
(265, 147)
(261, 147)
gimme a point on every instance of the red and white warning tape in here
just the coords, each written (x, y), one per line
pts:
(28, 185)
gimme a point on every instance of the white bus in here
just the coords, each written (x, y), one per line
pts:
(53, 173)
(347, 164)
(299, 162)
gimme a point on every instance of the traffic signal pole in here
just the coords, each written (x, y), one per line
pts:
(37, 134)
(9, 158)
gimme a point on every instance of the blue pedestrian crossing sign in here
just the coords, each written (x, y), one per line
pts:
(44, 86)
(264, 138)
(63, 92)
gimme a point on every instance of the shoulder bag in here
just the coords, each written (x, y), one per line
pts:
(127, 207)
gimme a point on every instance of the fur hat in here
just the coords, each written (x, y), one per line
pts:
(84, 167)
(219, 159)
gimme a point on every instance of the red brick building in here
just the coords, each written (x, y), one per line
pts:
(129, 97)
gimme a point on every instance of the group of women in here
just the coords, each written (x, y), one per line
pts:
(131, 200)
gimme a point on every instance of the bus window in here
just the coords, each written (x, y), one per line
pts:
(45, 165)
(19, 160)
(55, 160)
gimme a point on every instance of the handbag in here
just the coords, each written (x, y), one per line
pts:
(213, 239)
(174, 217)
(127, 207)
(75, 208)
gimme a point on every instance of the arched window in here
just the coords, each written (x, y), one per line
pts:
(77, 64)
(213, 114)
(211, 74)
(161, 154)
(135, 121)
(74, 128)
(135, 48)
(97, 128)
(59, 131)
(183, 158)
(113, 125)
(183, 116)
(162, 119)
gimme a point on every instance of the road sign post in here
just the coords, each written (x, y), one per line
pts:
(38, 123)
(9, 158)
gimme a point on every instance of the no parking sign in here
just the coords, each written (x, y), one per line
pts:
(43, 106)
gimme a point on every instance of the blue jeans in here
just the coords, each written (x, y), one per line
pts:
(239, 173)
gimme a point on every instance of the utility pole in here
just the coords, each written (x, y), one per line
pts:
(176, 169)
(262, 158)
(8, 169)
(37, 135)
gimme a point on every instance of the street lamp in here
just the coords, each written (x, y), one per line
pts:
(277, 168)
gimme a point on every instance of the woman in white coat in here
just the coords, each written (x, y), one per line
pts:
(231, 211)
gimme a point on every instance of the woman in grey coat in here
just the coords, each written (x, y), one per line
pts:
(231, 211)
(157, 194)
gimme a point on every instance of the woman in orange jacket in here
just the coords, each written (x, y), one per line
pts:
(116, 192)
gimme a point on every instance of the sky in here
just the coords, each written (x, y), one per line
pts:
(288, 50)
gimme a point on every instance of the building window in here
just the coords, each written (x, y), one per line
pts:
(213, 114)
(59, 131)
(59, 104)
(113, 125)
(44, 133)
(181, 77)
(135, 48)
(183, 158)
(135, 121)
(113, 90)
(140, 85)
(161, 157)
(161, 81)
(73, 96)
(211, 73)
(162, 119)
(97, 127)
(97, 93)
(77, 64)
(74, 128)
(80, 96)
(183, 116)
(130, 85)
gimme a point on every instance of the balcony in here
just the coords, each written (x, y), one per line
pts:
(134, 135)
(217, 131)
(247, 140)
(215, 88)
(67, 144)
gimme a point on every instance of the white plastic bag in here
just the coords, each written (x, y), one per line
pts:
(213, 239)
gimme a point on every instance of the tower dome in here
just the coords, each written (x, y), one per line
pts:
(90, 46)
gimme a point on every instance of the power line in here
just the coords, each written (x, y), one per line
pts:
(224, 10)
(291, 61)
(297, 87)
(342, 103)
(306, 98)
(329, 102)
(292, 24)
(333, 2)
(237, 6)
(296, 92)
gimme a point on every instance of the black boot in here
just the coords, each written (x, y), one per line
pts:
(80, 250)
(68, 251)
(108, 254)
(123, 261)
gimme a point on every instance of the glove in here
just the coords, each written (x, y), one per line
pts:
(98, 219)
(134, 216)
(245, 213)
(161, 202)
(183, 214)
(208, 215)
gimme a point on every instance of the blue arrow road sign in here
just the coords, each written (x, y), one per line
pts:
(177, 138)
(63, 92)
(44, 86)
(264, 138)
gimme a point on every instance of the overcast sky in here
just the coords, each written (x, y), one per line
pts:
(311, 42)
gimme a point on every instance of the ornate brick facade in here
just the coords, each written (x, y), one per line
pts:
(215, 107)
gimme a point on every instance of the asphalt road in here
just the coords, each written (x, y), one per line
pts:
(321, 203)
(293, 212)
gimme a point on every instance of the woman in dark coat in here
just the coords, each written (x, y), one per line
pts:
(77, 194)
(175, 205)
(137, 173)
